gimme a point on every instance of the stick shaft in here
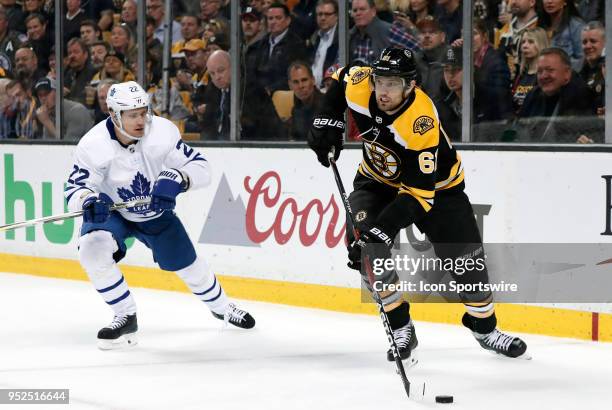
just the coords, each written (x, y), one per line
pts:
(68, 215)
(381, 310)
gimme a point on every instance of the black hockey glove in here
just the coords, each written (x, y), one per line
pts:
(324, 134)
(375, 236)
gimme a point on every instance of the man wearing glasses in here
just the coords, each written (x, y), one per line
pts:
(325, 40)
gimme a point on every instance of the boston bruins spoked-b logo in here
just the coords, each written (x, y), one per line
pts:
(385, 161)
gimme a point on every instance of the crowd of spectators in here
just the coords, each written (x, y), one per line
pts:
(539, 71)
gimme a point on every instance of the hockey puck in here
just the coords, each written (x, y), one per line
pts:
(444, 399)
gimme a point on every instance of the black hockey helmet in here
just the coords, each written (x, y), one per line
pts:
(395, 62)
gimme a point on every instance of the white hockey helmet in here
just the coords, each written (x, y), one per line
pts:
(124, 97)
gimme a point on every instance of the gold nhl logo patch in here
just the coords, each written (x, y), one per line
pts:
(423, 124)
(359, 76)
(361, 216)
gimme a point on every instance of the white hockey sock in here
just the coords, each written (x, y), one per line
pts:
(115, 292)
(96, 255)
(204, 284)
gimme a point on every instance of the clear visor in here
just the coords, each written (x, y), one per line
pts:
(389, 84)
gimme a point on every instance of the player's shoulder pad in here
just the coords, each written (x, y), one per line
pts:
(357, 88)
(96, 146)
(418, 127)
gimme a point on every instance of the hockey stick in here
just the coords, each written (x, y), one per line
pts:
(415, 393)
(68, 215)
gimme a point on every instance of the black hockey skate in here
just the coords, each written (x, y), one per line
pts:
(501, 343)
(406, 341)
(236, 317)
(120, 333)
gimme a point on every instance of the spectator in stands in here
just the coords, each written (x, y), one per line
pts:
(325, 46)
(429, 59)
(155, 9)
(5, 102)
(35, 6)
(101, 11)
(371, 35)
(10, 40)
(591, 10)
(101, 109)
(400, 10)
(419, 10)
(75, 15)
(252, 27)
(449, 107)
(191, 27)
(26, 67)
(592, 73)
(121, 40)
(114, 67)
(18, 118)
(448, 14)
(491, 79)
(211, 10)
(564, 25)
(559, 93)
(155, 50)
(306, 100)
(98, 51)
(80, 71)
(77, 119)
(279, 48)
(508, 39)
(16, 16)
(129, 14)
(533, 41)
(303, 21)
(39, 38)
(196, 57)
(90, 32)
(215, 28)
(215, 120)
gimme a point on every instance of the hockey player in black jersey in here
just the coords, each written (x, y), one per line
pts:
(410, 174)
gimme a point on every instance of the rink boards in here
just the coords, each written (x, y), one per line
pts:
(272, 225)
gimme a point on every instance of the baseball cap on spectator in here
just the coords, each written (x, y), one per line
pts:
(116, 54)
(330, 71)
(194, 45)
(44, 84)
(453, 57)
(251, 13)
(428, 24)
(219, 40)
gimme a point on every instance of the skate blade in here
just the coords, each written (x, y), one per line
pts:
(121, 342)
(524, 356)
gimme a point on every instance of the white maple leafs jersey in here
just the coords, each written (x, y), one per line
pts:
(125, 173)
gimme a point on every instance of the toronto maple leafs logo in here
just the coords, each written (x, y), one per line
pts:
(140, 189)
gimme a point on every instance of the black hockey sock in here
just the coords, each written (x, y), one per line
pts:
(479, 325)
(400, 316)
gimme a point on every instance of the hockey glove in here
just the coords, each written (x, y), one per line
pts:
(169, 184)
(375, 236)
(324, 134)
(96, 208)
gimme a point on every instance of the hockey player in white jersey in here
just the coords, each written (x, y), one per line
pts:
(135, 155)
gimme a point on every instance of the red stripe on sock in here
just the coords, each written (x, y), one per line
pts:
(595, 326)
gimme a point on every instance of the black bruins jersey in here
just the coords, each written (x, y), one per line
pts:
(408, 150)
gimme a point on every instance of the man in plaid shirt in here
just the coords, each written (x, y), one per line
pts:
(371, 35)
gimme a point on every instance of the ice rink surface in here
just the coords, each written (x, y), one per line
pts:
(294, 359)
